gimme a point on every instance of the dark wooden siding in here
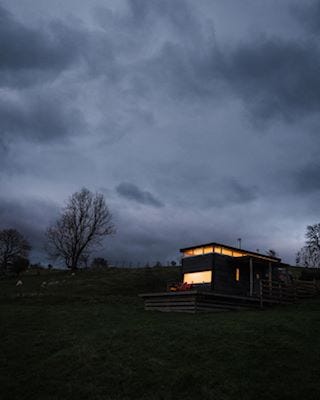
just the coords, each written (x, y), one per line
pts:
(224, 272)
(197, 263)
(224, 275)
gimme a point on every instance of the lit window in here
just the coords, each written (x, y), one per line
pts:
(217, 249)
(198, 277)
(188, 253)
(198, 251)
(237, 274)
(238, 254)
(226, 252)
(208, 249)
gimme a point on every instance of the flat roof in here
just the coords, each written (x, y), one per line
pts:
(253, 253)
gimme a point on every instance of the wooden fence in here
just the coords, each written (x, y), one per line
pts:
(275, 291)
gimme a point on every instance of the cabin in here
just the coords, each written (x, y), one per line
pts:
(226, 269)
(218, 277)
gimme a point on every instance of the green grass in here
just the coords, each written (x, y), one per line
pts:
(88, 337)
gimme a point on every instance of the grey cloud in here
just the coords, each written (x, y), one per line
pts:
(170, 51)
(236, 192)
(275, 77)
(27, 55)
(306, 179)
(38, 116)
(308, 15)
(29, 58)
(133, 192)
(151, 95)
(180, 15)
(22, 214)
(225, 193)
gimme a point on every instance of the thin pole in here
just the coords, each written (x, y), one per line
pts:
(270, 278)
(251, 277)
(261, 294)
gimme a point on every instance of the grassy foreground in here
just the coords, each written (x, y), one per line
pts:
(88, 337)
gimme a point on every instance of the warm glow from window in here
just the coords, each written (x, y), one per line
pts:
(238, 254)
(237, 274)
(198, 277)
(198, 251)
(226, 252)
(207, 250)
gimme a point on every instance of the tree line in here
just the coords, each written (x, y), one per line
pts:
(82, 226)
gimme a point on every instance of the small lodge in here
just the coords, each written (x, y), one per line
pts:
(217, 277)
(227, 269)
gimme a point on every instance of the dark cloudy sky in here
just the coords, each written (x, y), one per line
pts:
(198, 120)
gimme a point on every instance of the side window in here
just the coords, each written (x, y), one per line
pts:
(237, 274)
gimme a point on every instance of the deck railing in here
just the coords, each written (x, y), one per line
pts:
(275, 291)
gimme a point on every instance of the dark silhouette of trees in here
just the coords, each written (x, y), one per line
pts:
(99, 263)
(13, 248)
(173, 263)
(158, 264)
(82, 226)
(20, 264)
(309, 255)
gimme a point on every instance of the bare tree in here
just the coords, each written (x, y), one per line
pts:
(82, 226)
(309, 255)
(12, 246)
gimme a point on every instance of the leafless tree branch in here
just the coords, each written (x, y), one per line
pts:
(309, 255)
(82, 226)
(12, 245)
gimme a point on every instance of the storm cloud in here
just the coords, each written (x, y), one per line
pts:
(29, 55)
(132, 192)
(197, 120)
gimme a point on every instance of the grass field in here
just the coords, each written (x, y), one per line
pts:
(88, 337)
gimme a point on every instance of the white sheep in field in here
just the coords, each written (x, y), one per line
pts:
(53, 283)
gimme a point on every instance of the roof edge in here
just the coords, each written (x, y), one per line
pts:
(231, 248)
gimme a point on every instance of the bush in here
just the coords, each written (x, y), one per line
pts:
(99, 263)
(309, 274)
(19, 264)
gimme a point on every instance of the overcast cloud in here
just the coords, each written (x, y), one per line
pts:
(199, 121)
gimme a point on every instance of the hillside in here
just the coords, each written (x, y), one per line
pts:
(88, 337)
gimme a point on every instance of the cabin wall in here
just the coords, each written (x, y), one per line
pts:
(197, 263)
(224, 272)
(224, 275)
(260, 271)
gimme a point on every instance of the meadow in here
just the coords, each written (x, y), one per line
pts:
(88, 337)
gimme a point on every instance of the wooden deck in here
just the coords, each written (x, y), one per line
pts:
(271, 293)
(197, 301)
